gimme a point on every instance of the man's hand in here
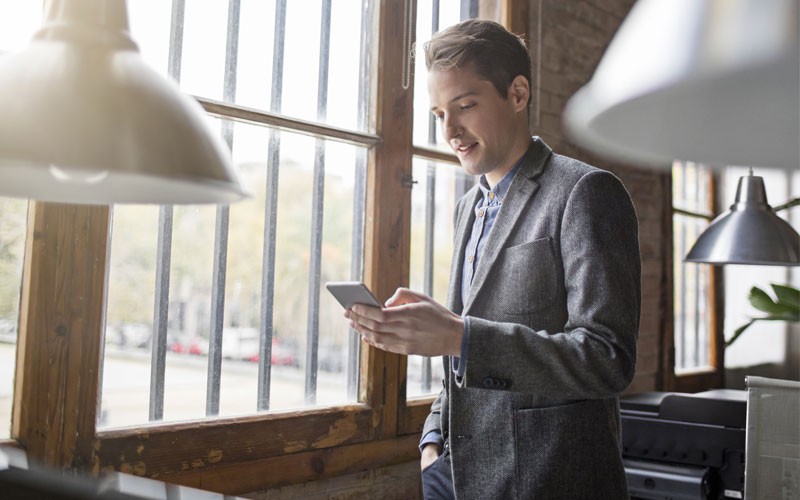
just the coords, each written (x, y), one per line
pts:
(411, 323)
(430, 453)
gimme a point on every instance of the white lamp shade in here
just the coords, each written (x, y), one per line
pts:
(83, 119)
(713, 81)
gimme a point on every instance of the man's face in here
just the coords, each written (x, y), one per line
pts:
(476, 121)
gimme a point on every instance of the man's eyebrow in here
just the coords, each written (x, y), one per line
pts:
(456, 98)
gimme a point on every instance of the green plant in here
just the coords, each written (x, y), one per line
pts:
(785, 307)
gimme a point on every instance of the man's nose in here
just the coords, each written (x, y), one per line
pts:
(450, 128)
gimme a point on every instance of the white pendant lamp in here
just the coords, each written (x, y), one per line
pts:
(712, 81)
(83, 119)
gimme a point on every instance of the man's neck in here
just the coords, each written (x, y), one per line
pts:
(496, 175)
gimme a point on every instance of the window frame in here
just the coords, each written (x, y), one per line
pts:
(714, 376)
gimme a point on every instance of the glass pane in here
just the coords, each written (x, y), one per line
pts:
(693, 308)
(18, 22)
(432, 206)
(149, 24)
(448, 15)
(13, 216)
(206, 27)
(127, 363)
(254, 58)
(691, 187)
(691, 191)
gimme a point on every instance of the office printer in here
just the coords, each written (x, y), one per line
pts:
(678, 446)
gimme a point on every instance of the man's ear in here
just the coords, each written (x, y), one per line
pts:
(519, 91)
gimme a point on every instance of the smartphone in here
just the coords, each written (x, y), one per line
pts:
(349, 293)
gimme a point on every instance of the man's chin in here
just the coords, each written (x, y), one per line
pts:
(472, 169)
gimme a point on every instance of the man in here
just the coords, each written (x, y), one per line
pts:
(539, 335)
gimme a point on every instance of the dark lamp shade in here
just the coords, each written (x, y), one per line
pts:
(749, 233)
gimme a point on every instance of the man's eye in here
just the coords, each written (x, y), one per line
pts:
(464, 107)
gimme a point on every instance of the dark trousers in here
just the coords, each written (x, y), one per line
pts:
(437, 479)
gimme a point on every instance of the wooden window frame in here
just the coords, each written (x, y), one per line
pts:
(714, 376)
(59, 352)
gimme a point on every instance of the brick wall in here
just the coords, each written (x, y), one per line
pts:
(567, 39)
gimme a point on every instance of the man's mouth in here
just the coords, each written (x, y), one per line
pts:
(465, 149)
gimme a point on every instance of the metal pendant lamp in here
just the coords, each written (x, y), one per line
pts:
(712, 81)
(83, 119)
(749, 233)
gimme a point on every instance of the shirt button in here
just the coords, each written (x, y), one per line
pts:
(480, 213)
(491, 195)
(470, 259)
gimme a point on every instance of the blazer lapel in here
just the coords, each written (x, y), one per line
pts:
(523, 187)
(466, 216)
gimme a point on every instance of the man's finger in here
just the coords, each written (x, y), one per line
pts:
(365, 311)
(404, 296)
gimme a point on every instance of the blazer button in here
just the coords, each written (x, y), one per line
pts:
(488, 382)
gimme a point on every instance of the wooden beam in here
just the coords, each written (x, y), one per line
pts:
(167, 450)
(389, 177)
(413, 415)
(252, 477)
(516, 17)
(60, 331)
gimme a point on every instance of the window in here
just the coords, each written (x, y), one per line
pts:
(229, 301)
(12, 240)
(317, 176)
(696, 338)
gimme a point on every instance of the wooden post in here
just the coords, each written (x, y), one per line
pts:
(389, 182)
(60, 333)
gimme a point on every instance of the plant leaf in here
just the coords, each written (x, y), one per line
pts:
(787, 295)
(763, 302)
(739, 331)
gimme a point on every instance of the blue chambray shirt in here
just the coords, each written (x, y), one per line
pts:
(486, 211)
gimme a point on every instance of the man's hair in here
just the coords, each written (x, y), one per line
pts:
(485, 47)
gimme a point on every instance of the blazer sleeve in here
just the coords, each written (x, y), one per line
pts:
(434, 422)
(595, 354)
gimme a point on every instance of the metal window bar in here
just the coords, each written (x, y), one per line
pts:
(430, 218)
(359, 192)
(213, 379)
(697, 271)
(317, 207)
(164, 248)
(469, 9)
(681, 361)
(271, 215)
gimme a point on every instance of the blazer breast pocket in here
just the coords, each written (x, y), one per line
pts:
(527, 278)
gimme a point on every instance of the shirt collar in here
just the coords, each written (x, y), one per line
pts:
(501, 188)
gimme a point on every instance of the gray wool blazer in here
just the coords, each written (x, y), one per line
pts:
(553, 314)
